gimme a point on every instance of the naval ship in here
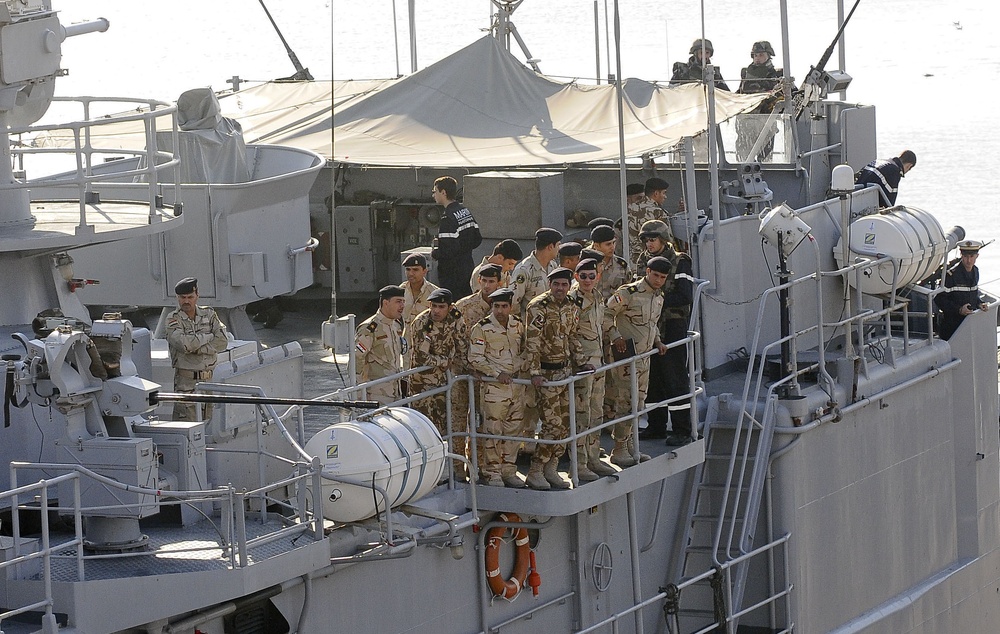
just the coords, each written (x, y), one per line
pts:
(843, 473)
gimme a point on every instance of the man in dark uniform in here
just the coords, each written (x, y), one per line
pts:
(961, 295)
(691, 71)
(886, 173)
(458, 234)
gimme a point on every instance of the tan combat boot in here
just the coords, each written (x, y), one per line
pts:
(621, 456)
(583, 471)
(535, 478)
(551, 474)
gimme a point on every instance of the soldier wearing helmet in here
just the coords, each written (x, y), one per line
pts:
(701, 52)
(760, 75)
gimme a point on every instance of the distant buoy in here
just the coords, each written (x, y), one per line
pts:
(398, 450)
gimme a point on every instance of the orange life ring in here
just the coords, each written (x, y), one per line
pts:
(494, 538)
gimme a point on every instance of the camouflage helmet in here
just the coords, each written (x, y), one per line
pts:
(698, 45)
(762, 46)
(654, 229)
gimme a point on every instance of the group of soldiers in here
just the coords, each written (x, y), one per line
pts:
(552, 319)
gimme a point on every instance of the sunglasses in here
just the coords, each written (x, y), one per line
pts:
(587, 276)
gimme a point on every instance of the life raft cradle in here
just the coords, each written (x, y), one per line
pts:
(524, 559)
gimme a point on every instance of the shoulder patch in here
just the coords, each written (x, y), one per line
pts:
(520, 279)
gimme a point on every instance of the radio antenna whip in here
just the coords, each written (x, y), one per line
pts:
(301, 72)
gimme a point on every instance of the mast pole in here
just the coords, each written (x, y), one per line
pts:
(619, 101)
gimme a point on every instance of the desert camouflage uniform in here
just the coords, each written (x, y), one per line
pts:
(494, 349)
(440, 345)
(194, 346)
(415, 303)
(632, 313)
(380, 344)
(505, 276)
(474, 308)
(638, 214)
(552, 347)
(590, 390)
(530, 280)
(615, 273)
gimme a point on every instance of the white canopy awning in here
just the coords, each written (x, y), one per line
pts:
(479, 107)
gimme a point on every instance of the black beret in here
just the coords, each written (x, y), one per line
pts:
(415, 259)
(635, 188)
(587, 265)
(491, 270)
(510, 250)
(604, 233)
(592, 254)
(570, 249)
(659, 264)
(440, 296)
(502, 295)
(561, 273)
(548, 236)
(600, 222)
(186, 286)
(388, 292)
(654, 184)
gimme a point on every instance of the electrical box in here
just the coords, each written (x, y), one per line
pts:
(355, 250)
(180, 448)
(130, 461)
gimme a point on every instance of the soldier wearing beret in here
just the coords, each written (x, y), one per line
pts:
(569, 255)
(634, 193)
(615, 270)
(531, 273)
(650, 208)
(437, 338)
(496, 349)
(668, 373)
(379, 345)
(632, 313)
(417, 288)
(195, 337)
(553, 350)
(961, 295)
(506, 254)
(590, 390)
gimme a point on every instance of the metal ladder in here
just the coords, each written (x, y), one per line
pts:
(723, 508)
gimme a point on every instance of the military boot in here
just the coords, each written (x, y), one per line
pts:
(643, 457)
(583, 471)
(621, 456)
(594, 462)
(551, 474)
(535, 478)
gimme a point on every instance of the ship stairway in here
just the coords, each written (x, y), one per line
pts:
(723, 508)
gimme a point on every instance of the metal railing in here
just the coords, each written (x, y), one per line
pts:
(151, 160)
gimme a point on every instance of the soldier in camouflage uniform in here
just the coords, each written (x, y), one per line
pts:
(651, 208)
(668, 374)
(531, 273)
(530, 281)
(474, 308)
(631, 314)
(438, 339)
(379, 345)
(759, 76)
(615, 270)
(506, 254)
(692, 71)
(655, 237)
(552, 348)
(417, 289)
(496, 349)
(195, 337)
(590, 390)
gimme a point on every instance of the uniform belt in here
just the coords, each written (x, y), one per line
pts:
(552, 366)
(197, 375)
